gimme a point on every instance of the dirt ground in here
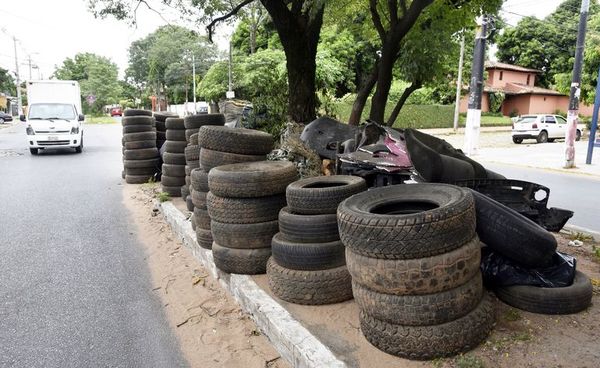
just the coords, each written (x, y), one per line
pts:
(211, 328)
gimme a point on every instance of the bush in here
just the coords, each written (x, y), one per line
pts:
(425, 116)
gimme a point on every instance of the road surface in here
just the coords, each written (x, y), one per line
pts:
(75, 290)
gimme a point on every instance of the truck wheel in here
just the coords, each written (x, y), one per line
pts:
(542, 137)
(80, 148)
(34, 151)
(578, 135)
(517, 140)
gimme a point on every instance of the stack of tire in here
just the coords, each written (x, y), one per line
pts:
(161, 129)
(192, 125)
(141, 160)
(173, 168)
(414, 258)
(308, 265)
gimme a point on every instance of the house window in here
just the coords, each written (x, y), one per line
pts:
(501, 74)
(528, 76)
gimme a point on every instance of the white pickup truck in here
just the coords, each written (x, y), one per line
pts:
(542, 128)
(54, 115)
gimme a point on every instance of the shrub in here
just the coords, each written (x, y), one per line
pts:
(425, 116)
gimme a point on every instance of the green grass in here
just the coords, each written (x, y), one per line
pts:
(468, 361)
(99, 120)
(163, 197)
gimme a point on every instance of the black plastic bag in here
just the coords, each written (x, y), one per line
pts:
(498, 270)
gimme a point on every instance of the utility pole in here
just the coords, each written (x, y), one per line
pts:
(29, 62)
(230, 67)
(476, 90)
(572, 115)
(19, 103)
(459, 81)
(592, 141)
(194, 81)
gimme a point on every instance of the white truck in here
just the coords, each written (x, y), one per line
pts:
(54, 116)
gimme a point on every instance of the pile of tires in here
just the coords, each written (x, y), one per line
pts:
(173, 157)
(308, 265)
(161, 129)
(414, 257)
(243, 203)
(141, 160)
(192, 125)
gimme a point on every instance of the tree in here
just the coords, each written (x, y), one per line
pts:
(7, 83)
(98, 77)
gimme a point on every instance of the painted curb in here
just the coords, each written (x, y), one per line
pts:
(294, 342)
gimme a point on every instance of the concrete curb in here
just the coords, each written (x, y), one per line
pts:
(294, 342)
(579, 229)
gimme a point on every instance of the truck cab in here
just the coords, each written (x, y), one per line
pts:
(54, 118)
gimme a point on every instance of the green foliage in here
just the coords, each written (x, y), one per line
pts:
(496, 100)
(214, 84)
(163, 197)
(425, 116)
(468, 361)
(512, 315)
(7, 83)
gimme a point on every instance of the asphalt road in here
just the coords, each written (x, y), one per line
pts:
(577, 193)
(75, 290)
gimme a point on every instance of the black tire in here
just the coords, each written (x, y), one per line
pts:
(244, 210)
(542, 137)
(189, 204)
(244, 236)
(136, 112)
(176, 135)
(137, 179)
(407, 221)
(174, 124)
(160, 127)
(551, 140)
(235, 140)
(137, 128)
(512, 234)
(174, 158)
(416, 276)
(204, 238)
(323, 194)
(420, 310)
(199, 199)
(194, 139)
(189, 133)
(193, 222)
(144, 136)
(517, 140)
(172, 181)
(173, 191)
(175, 146)
(308, 228)
(173, 170)
(161, 136)
(196, 121)
(191, 166)
(34, 151)
(163, 115)
(141, 154)
(134, 164)
(187, 180)
(202, 218)
(434, 341)
(578, 135)
(251, 179)
(192, 153)
(199, 180)
(141, 171)
(211, 158)
(309, 287)
(185, 191)
(560, 300)
(139, 145)
(241, 261)
(307, 256)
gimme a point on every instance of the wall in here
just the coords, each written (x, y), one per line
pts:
(508, 76)
(464, 103)
(518, 103)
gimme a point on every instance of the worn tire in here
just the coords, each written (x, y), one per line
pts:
(143, 136)
(189, 133)
(199, 199)
(309, 287)
(141, 154)
(173, 191)
(308, 228)
(196, 121)
(512, 234)
(194, 139)
(173, 170)
(434, 341)
(420, 310)
(561, 300)
(174, 158)
(141, 171)
(162, 116)
(416, 276)
(134, 164)
(176, 135)
(189, 204)
(174, 124)
(407, 221)
(244, 210)
(175, 146)
(244, 236)
(204, 238)
(191, 166)
(136, 112)
(235, 140)
(211, 158)
(241, 261)
(322, 194)
(172, 181)
(139, 145)
(185, 191)
(137, 179)
(138, 128)
(251, 179)
(192, 153)
(307, 256)
(202, 218)
(199, 180)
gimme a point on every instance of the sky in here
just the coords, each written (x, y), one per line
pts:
(50, 31)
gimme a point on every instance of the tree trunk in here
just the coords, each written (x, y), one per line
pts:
(384, 82)
(361, 97)
(407, 92)
(253, 28)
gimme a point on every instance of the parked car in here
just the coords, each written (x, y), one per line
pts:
(5, 117)
(542, 128)
(116, 111)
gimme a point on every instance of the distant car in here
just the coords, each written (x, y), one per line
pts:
(542, 128)
(201, 107)
(5, 117)
(116, 111)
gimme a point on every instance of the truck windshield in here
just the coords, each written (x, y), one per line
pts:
(51, 111)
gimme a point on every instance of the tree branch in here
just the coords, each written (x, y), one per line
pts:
(296, 7)
(393, 7)
(403, 6)
(407, 92)
(211, 26)
(376, 19)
